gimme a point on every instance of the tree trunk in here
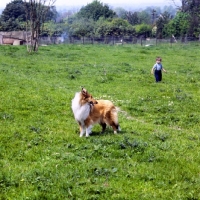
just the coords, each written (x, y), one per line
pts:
(36, 10)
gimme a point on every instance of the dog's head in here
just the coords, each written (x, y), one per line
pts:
(87, 98)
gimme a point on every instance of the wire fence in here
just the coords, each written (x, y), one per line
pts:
(19, 37)
(111, 40)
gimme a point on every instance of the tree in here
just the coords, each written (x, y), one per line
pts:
(178, 26)
(12, 24)
(12, 16)
(162, 20)
(120, 12)
(132, 18)
(36, 11)
(120, 27)
(14, 9)
(143, 30)
(53, 29)
(144, 17)
(170, 9)
(153, 12)
(114, 27)
(192, 8)
(194, 11)
(81, 28)
(95, 10)
(182, 5)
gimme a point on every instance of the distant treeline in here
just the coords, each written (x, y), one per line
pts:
(99, 20)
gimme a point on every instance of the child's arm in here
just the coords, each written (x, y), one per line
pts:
(152, 70)
(164, 70)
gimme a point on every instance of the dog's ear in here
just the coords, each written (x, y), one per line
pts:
(84, 91)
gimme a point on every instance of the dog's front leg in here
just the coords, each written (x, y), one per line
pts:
(88, 130)
(82, 129)
(82, 132)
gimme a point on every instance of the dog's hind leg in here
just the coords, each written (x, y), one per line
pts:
(119, 129)
(115, 127)
(112, 119)
(103, 125)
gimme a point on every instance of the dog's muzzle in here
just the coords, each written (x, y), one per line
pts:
(92, 103)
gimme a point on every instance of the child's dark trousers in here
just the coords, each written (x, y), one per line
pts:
(158, 75)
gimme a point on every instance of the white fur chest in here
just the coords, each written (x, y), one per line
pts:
(81, 112)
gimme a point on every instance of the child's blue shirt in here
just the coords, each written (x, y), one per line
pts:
(157, 66)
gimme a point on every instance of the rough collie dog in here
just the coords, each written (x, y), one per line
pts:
(88, 111)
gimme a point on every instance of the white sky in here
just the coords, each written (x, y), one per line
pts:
(80, 3)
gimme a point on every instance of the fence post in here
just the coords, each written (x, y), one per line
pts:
(1, 39)
(171, 41)
(141, 41)
(185, 38)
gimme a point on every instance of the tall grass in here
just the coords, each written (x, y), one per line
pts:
(156, 156)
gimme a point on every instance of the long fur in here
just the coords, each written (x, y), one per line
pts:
(88, 111)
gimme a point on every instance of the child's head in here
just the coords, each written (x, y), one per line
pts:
(158, 59)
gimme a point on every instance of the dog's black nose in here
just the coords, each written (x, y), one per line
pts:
(91, 103)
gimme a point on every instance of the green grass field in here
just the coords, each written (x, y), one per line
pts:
(156, 155)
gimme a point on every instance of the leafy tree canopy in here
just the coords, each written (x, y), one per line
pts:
(143, 30)
(95, 10)
(14, 15)
(14, 9)
(81, 27)
(178, 26)
(121, 12)
(162, 20)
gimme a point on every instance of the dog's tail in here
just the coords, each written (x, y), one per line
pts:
(114, 115)
(114, 119)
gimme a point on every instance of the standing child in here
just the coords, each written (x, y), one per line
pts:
(157, 69)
